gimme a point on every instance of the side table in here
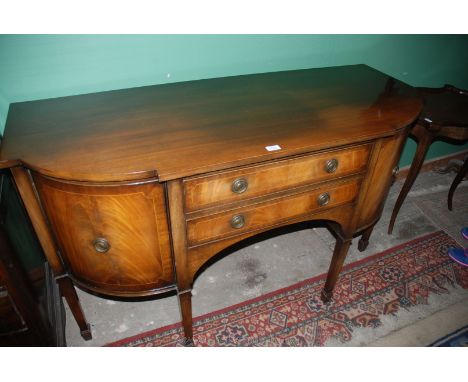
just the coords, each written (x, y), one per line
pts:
(444, 116)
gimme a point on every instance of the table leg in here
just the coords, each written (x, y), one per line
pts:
(364, 240)
(25, 187)
(424, 141)
(185, 301)
(68, 291)
(460, 175)
(339, 256)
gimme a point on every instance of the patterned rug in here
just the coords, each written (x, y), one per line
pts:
(381, 284)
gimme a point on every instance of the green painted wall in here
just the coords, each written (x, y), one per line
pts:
(41, 66)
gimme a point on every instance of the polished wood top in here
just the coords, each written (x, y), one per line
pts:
(8, 163)
(445, 107)
(189, 128)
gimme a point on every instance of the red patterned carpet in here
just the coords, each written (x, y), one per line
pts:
(381, 284)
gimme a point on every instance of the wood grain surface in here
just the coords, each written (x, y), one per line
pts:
(205, 191)
(189, 128)
(258, 216)
(130, 217)
(134, 190)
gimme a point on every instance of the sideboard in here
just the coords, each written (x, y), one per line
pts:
(131, 191)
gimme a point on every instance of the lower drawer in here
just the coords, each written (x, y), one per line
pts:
(262, 215)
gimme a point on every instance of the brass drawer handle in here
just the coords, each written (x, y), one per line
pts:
(237, 221)
(331, 165)
(101, 245)
(239, 185)
(323, 199)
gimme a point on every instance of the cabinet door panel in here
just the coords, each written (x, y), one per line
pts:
(112, 236)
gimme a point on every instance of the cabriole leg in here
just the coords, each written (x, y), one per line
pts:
(424, 141)
(460, 175)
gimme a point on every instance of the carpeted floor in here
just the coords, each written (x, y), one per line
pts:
(400, 278)
(434, 207)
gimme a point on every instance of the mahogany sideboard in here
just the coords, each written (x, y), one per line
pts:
(131, 191)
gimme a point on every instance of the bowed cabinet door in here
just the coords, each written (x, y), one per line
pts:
(114, 237)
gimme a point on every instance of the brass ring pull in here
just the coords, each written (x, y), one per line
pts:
(237, 221)
(239, 186)
(101, 245)
(323, 199)
(331, 165)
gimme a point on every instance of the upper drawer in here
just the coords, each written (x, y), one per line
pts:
(231, 186)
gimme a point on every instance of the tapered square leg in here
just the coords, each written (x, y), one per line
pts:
(364, 240)
(339, 256)
(185, 301)
(68, 291)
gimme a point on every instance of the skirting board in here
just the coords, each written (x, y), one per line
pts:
(433, 163)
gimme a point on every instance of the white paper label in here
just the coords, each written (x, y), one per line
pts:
(273, 148)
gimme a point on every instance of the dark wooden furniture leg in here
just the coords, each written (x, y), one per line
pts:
(185, 301)
(460, 175)
(339, 256)
(184, 280)
(364, 240)
(68, 291)
(424, 141)
(14, 283)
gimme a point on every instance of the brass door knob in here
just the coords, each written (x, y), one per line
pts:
(101, 245)
(237, 221)
(331, 165)
(323, 199)
(239, 186)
